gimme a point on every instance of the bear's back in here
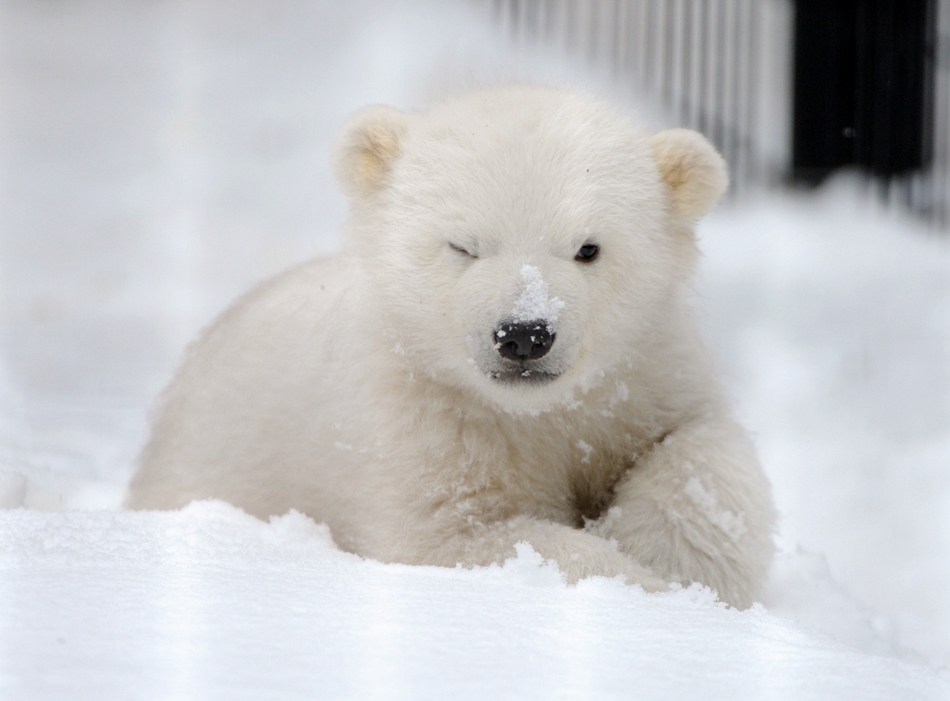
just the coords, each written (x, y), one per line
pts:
(257, 399)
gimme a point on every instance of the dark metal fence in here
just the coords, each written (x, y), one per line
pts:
(725, 68)
(930, 191)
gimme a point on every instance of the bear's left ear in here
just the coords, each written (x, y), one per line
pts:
(693, 170)
(366, 148)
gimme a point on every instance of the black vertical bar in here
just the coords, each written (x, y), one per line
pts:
(824, 92)
(930, 80)
(862, 75)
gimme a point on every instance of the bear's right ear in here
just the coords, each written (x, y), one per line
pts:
(367, 147)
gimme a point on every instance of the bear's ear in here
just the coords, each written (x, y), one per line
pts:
(693, 170)
(367, 147)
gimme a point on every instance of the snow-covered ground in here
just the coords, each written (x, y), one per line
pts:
(158, 158)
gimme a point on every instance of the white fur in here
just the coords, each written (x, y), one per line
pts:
(367, 391)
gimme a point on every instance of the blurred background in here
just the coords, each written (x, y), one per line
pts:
(789, 90)
(159, 157)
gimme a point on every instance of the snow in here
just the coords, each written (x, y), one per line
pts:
(831, 318)
(586, 449)
(157, 159)
(730, 523)
(212, 599)
(534, 304)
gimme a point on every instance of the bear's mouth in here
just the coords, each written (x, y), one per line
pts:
(523, 376)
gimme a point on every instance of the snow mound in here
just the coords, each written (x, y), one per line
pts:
(210, 601)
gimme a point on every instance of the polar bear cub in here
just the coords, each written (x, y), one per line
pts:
(503, 352)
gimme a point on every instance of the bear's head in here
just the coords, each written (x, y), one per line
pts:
(523, 241)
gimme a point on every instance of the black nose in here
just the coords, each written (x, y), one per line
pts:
(524, 340)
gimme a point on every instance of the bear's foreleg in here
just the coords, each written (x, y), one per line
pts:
(697, 507)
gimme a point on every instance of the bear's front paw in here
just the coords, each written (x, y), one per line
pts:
(578, 566)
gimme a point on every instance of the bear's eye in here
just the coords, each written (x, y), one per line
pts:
(587, 253)
(460, 249)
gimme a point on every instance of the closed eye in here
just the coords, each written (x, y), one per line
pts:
(460, 249)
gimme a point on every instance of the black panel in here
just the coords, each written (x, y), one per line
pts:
(861, 72)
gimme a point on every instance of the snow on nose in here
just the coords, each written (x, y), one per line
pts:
(534, 303)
